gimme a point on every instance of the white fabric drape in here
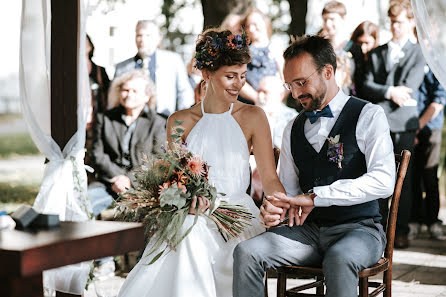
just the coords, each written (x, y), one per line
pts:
(64, 186)
(431, 25)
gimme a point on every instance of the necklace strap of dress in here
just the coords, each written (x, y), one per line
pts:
(230, 108)
(202, 107)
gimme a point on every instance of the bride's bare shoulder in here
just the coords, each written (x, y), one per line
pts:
(248, 111)
(186, 116)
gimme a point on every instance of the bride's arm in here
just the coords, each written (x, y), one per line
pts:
(272, 211)
(263, 152)
(184, 117)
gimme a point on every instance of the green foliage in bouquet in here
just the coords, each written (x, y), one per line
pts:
(165, 187)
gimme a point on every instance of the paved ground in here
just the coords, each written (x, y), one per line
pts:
(14, 170)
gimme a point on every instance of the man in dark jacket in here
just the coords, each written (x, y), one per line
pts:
(431, 101)
(122, 136)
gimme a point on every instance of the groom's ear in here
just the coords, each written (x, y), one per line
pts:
(328, 71)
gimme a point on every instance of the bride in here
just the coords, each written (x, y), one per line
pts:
(223, 132)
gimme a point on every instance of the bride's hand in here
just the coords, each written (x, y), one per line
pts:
(272, 211)
(203, 204)
(301, 206)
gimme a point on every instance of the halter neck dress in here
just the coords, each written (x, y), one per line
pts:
(202, 264)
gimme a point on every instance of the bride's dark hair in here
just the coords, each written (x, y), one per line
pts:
(217, 47)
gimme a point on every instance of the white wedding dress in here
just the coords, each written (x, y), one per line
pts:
(202, 264)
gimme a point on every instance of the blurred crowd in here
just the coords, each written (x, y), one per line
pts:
(129, 111)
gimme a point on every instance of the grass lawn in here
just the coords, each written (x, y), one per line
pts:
(18, 144)
(18, 193)
(15, 142)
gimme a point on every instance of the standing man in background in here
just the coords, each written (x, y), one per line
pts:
(431, 101)
(394, 72)
(165, 68)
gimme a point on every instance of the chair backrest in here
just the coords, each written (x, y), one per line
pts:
(276, 151)
(402, 161)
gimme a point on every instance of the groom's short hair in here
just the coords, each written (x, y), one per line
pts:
(318, 47)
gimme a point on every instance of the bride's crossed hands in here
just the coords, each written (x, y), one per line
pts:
(273, 211)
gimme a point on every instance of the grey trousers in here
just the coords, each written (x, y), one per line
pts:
(342, 250)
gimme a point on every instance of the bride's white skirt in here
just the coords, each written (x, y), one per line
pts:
(200, 267)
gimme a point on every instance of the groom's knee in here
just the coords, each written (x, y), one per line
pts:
(250, 253)
(241, 252)
(245, 254)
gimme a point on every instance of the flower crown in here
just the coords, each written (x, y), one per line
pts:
(215, 46)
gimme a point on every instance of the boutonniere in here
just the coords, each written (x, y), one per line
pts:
(335, 151)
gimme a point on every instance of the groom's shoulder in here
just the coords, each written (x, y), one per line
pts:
(365, 105)
(294, 120)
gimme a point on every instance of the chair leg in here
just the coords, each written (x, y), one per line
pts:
(266, 284)
(320, 290)
(281, 284)
(364, 287)
(387, 279)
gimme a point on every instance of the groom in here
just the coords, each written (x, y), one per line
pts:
(336, 161)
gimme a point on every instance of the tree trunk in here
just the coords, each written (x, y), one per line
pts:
(298, 12)
(214, 11)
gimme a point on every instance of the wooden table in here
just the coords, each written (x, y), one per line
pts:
(25, 254)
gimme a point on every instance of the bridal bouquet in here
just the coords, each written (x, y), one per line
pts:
(165, 188)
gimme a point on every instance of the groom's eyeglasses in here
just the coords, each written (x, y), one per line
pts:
(300, 83)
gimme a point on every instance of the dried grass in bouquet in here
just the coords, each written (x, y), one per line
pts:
(165, 187)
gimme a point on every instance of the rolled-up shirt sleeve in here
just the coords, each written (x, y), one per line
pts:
(288, 172)
(374, 141)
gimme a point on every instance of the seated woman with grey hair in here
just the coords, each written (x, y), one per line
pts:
(129, 129)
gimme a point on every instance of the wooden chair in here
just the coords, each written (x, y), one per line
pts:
(383, 265)
(276, 152)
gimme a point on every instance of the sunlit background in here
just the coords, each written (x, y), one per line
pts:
(111, 25)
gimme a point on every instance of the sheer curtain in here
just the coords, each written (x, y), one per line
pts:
(64, 187)
(431, 25)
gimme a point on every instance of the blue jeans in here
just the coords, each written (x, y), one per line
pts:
(341, 250)
(100, 199)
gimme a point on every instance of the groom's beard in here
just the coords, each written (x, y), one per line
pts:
(316, 100)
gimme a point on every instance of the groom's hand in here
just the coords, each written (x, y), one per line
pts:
(301, 206)
(273, 211)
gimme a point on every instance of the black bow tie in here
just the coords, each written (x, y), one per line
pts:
(313, 116)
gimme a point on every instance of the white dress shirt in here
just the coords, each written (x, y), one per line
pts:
(396, 51)
(395, 54)
(373, 138)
